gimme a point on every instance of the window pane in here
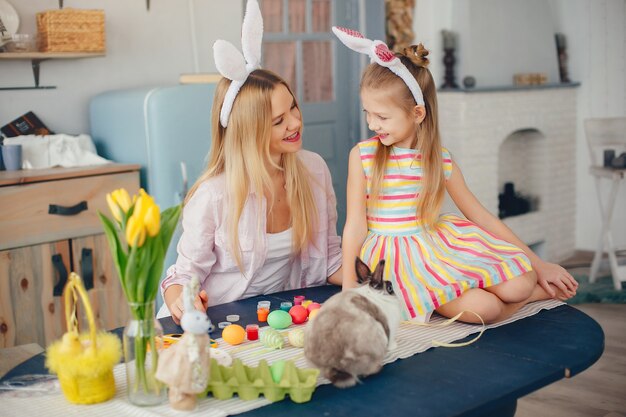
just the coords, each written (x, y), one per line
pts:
(280, 57)
(272, 11)
(317, 71)
(297, 16)
(321, 15)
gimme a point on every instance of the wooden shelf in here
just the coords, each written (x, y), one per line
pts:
(49, 55)
(37, 57)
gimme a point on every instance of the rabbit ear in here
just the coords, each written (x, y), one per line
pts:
(353, 40)
(377, 275)
(362, 271)
(252, 34)
(229, 61)
(188, 297)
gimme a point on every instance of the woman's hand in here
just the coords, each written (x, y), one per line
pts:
(177, 306)
(555, 280)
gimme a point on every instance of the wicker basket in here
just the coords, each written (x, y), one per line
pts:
(83, 362)
(71, 30)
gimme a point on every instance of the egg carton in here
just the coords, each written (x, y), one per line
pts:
(249, 382)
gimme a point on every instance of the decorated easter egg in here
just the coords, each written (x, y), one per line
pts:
(306, 303)
(277, 369)
(296, 337)
(313, 313)
(313, 306)
(233, 334)
(272, 339)
(221, 356)
(279, 319)
(298, 314)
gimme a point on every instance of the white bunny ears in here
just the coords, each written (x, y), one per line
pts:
(380, 54)
(234, 66)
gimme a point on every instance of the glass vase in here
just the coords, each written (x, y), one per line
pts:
(143, 340)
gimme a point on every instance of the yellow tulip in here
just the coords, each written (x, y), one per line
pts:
(115, 209)
(121, 197)
(119, 203)
(135, 232)
(144, 201)
(152, 220)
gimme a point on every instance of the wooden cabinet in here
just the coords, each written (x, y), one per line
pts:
(49, 227)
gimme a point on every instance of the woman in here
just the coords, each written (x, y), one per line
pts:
(262, 217)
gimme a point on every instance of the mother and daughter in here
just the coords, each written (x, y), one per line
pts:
(262, 217)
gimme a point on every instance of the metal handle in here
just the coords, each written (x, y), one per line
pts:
(86, 266)
(67, 211)
(59, 266)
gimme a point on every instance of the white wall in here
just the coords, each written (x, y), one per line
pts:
(596, 35)
(153, 48)
(144, 48)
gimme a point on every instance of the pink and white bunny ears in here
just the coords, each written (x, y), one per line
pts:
(234, 66)
(380, 54)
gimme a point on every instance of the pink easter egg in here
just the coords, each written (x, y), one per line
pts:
(313, 306)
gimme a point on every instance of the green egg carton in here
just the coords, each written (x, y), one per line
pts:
(249, 382)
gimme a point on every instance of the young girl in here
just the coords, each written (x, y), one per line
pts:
(396, 185)
(262, 217)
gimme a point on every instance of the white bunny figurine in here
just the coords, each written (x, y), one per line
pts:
(184, 367)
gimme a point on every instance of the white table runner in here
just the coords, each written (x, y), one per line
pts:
(411, 339)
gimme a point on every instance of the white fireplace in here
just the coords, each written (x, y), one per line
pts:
(525, 136)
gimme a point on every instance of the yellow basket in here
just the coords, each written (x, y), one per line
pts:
(83, 362)
(71, 30)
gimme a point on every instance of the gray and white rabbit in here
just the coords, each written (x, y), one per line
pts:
(351, 334)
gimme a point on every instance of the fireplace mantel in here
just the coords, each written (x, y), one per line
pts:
(475, 125)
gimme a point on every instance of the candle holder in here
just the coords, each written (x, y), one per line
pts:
(561, 51)
(449, 60)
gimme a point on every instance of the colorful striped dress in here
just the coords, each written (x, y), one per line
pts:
(428, 269)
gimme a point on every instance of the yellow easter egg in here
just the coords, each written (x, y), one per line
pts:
(296, 337)
(233, 334)
(313, 313)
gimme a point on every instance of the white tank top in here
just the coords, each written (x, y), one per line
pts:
(274, 274)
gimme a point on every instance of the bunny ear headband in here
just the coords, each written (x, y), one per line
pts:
(380, 54)
(234, 66)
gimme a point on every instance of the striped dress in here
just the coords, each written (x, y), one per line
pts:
(428, 269)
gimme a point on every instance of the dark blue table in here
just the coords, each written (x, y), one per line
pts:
(483, 379)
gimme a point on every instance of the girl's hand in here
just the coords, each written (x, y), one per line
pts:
(555, 280)
(177, 308)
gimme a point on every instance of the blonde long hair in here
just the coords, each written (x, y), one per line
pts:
(427, 140)
(242, 153)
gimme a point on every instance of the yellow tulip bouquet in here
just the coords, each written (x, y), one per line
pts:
(138, 256)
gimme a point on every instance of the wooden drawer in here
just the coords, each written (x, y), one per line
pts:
(27, 210)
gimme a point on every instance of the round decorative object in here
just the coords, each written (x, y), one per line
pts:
(298, 314)
(233, 334)
(469, 82)
(313, 306)
(279, 319)
(296, 337)
(272, 339)
(313, 313)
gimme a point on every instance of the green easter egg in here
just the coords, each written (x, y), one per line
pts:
(279, 319)
(277, 369)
